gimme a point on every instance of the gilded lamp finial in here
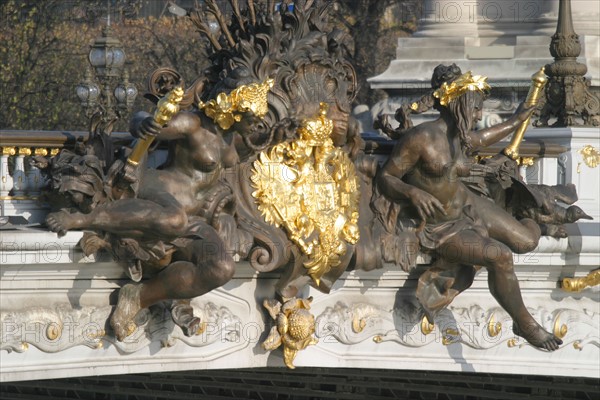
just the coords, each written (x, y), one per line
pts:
(227, 109)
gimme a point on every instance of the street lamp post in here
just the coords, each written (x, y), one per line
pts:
(105, 92)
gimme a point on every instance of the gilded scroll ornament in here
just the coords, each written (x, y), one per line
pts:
(494, 328)
(578, 284)
(560, 330)
(54, 331)
(310, 188)
(294, 329)
(426, 326)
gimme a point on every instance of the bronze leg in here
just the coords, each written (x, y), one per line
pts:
(469, 247)
(200, 267)
(520, 236)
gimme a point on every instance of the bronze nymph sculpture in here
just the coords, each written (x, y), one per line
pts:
(167, 229)
(498, 177)
(461, 229)
(143, 226)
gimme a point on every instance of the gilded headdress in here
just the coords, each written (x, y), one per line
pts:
(227, 109)
(464, 83)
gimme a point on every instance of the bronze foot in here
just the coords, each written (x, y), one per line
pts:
(537, 336)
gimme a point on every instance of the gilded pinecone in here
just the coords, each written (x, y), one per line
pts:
(301, 324)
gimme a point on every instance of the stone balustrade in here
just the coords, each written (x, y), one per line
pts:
(19, 179)
(21, 182)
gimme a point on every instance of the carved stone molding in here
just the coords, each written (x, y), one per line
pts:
(52, 330)
(473, 326)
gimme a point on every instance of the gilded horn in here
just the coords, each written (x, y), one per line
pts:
(538, 81)
(166, 108)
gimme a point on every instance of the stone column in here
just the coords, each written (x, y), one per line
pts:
(19, 175)
(6, 183)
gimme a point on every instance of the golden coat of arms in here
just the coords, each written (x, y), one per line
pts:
(310, 188)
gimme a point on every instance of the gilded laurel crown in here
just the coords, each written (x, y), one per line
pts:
(227, 109)
(317, 130)
(464, 83)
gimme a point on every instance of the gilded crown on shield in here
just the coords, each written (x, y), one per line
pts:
(316, 131)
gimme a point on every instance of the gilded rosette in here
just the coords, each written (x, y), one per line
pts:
(310, 188)
(591, 156)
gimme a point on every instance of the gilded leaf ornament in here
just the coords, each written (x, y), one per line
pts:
(591, 156)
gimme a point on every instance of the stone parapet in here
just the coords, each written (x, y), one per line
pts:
(54, 316)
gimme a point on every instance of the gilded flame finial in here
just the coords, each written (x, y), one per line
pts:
(538, 81)
(168, 106)
(227, 109)
(464, 83)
